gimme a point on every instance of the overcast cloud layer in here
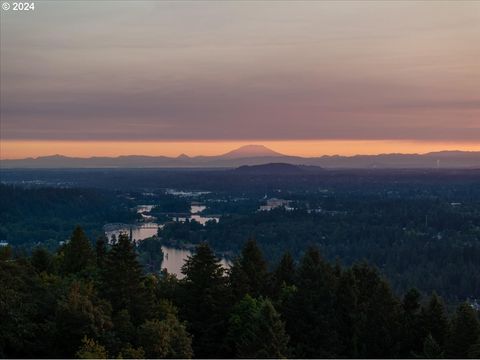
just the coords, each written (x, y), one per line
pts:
(246, 70)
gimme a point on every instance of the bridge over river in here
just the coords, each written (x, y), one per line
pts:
(125, 227)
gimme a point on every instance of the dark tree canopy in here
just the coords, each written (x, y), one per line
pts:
(122, 280)
(78, 254)
(464, 332)
(205, 300)
(104, 304)
(248, 274)
(256, 330)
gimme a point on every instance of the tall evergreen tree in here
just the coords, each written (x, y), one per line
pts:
(413, 333)
(122, 280)
(101, 250)
(346, 315)
(464, 331)
(435, 320)
(256, 330)
(284, 274)
(249, 273)
(205, 301)
(272, 330)
(77, 253)
(378, 314)
(310, 314)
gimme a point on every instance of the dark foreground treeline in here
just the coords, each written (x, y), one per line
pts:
(96, 302)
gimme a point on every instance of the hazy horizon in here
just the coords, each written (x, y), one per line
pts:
(222, 148)
(304, 78)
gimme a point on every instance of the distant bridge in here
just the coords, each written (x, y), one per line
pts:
(127, 227)
(147, 226)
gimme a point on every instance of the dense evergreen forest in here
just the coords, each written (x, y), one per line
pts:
(424, 243)
(420, 228)
(32, 215)
(96, 301)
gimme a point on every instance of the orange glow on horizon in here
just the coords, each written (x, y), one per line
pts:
(17, 149)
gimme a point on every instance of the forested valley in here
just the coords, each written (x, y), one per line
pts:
(362, 264)
(95, 301)
(420, 228)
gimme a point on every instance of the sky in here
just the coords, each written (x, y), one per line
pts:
(86, 78)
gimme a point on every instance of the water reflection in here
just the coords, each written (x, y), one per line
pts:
(195, 209)
(144, 208)
(139, 232)
(173, 259)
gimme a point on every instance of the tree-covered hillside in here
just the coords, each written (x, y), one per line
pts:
(97, 302)
(418, 241)
(31, 215)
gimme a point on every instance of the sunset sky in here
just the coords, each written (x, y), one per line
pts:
(85, 78)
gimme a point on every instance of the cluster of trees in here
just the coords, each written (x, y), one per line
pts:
(87, 302)
(420, 241)
(95, 301)
(167, 203)
(227, 204)
(233, 181)
(48, 214)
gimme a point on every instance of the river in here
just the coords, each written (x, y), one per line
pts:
(174, 258)
(195, 211)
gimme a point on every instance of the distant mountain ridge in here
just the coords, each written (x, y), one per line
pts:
(257, 155)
